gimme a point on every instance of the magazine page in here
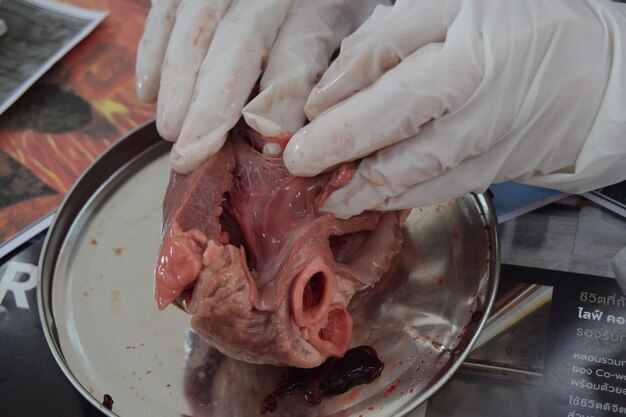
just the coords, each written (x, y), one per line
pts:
(32, 382)
(76, 110)
(555, 345)
(38, 33)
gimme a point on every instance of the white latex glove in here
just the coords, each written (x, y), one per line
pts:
(203, 57)
(449, 96)
(311, 33)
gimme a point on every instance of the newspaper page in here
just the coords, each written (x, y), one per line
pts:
(38, 33)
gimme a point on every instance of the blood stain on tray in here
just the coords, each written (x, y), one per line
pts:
(391, 387)
(114, 300)
(117, 251)
(360, 365)
(107, 401)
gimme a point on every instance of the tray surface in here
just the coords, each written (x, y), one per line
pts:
(101, 321)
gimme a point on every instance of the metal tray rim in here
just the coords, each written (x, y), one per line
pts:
(489, 217)
(53, 243)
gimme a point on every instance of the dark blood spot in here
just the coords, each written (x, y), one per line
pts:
(107, 401)
(360, 365)
(441, 281)
(476, 316)
(370, 408)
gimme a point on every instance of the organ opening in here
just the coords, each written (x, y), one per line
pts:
(345, 247)
(313, 292)
(332, 335)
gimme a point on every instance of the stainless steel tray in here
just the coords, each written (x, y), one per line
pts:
(101, 322)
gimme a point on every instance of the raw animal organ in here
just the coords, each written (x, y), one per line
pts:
(266, 276)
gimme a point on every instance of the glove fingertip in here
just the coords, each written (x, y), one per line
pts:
(186, 155)
(323, 96)
(339, 209)
(145, 95)
(169, 117)
(166, 131)
(145, 87)
(354, 198)
(261, 124)
(299, 157)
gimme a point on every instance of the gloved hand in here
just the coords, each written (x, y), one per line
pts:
(202, 59)
(445, 97)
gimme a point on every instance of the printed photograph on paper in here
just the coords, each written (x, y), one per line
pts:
(37, 34)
